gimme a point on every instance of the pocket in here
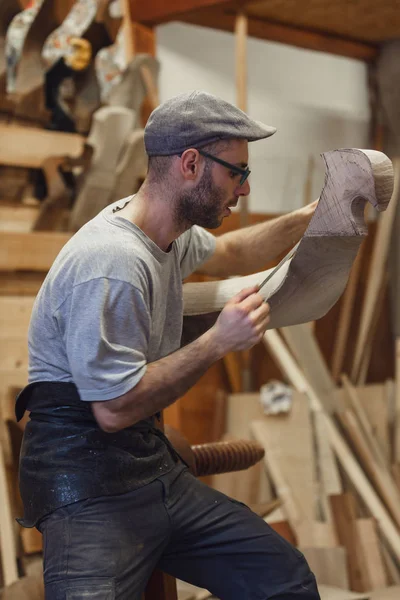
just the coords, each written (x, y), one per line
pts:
(94, 588)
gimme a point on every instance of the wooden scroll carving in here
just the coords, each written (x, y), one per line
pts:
(110, 129)
(310, 283)
(75, 25)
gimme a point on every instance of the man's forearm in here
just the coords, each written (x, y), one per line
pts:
(164, 382)
(248, 250)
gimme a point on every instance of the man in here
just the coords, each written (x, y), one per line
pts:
(111, 496)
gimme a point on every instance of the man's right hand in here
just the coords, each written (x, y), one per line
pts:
(242, 322)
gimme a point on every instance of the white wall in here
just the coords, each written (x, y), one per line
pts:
(317, 101)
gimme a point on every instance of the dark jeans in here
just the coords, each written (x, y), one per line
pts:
(106, 548)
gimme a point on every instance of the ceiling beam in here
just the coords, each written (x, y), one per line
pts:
(293, 36)
(153, 12)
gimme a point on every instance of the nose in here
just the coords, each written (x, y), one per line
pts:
(243, 190)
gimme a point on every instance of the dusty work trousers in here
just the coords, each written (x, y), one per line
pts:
(106, 548)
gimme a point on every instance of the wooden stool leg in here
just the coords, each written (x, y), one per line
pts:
(161, 587)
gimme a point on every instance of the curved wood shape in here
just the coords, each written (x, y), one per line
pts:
(76, 23)
(310, 283)
(16, 35)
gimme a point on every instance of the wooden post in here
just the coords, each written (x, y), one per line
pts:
(376, 274)
(7, 536)
(241, 90)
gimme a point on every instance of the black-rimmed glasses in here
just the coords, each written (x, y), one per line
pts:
(243, 172)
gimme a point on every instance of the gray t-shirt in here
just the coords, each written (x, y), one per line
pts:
(110, 304)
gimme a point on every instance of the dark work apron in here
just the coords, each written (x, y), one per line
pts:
(66, 457)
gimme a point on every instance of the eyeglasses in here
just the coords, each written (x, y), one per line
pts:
(243, 172)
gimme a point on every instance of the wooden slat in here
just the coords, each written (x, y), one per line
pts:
(29, 147)
(396, 433)
(365, 423)
(329, 565)
(251, 486)
(328, 592)
(30, 251)
(381, 478)
(369, 544)
(346, 310)
(376, 273)
(290, 461)
(344, 513)
(304, 347)
(7, 536)
(18, 218)
(274, 32)
(328, 473)
(159, 11)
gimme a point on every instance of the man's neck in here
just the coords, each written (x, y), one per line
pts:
(153, 213)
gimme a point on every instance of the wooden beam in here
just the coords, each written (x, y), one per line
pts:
(273, 32)
(30, 147)
(158, 11)
(30, 251)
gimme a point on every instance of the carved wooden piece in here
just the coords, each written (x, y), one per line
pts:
(8, 10)
(132, 166)
(25, 38)
(137, 81)
(15, 40)
(110, 127)
(318, 272)
(75, 24)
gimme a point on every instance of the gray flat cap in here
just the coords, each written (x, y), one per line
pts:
(195, 119)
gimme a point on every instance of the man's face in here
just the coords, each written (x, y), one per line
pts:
(217, 191)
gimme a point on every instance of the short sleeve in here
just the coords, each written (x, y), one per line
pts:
(198, 245)
(105, 325)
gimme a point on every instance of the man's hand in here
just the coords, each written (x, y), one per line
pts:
(242, 322)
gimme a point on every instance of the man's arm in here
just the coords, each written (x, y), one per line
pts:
(248, 250)
(240, 325)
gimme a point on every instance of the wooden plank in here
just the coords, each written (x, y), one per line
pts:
(333, 593)
(374, 402)
(7, 534)
(345, 456)
(390, 593)
(365, 423)
(327, 471)
(30, 147)
(20, 284)
(291, 464)
(15, 314)
(158, 11)
(285, 34)
(369, 545)
(18, 218)
(376, 273)
(344, 514)
(252, 485)
(381, 478)
(329, 565)
(346, 310)
(304, 347)
(392, 569)
(34, 251)
(396, 433)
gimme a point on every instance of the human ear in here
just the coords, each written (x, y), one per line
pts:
(190, 164)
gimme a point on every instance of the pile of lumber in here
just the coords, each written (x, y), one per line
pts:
(331, 462)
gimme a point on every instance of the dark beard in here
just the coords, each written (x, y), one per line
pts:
(202, 206)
